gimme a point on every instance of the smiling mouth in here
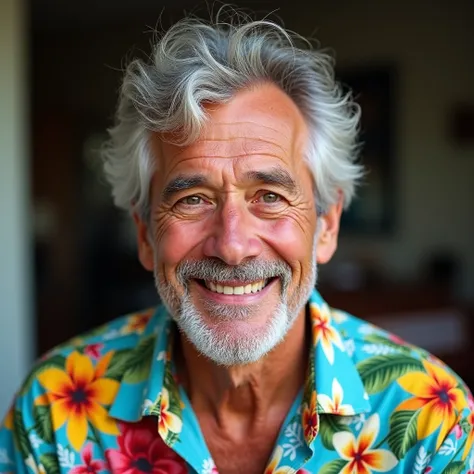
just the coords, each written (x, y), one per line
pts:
(226, 289)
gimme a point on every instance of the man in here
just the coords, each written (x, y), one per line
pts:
(234, 150)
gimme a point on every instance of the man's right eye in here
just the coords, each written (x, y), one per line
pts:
(191, 200)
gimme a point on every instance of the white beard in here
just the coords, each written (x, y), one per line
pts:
(230, 348)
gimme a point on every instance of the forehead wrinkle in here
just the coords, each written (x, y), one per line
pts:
(212, 126)
(238, 137)
(225, 148)
(176, 164)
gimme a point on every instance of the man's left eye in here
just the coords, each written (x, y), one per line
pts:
(192, 200)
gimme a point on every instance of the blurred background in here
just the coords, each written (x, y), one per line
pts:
(406, 254)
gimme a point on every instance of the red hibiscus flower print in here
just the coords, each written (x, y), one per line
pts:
(90, 466)
(310, 420)
(141, 449)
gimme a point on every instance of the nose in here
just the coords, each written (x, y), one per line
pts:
(233, 238)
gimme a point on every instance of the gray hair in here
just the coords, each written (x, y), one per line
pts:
(196, 62)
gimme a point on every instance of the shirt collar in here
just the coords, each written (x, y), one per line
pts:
(333, 384)
(335, 374)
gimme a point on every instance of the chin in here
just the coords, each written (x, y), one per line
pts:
(237, 341)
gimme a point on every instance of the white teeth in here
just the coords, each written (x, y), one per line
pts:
(236, 290)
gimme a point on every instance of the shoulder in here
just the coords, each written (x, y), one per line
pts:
(84, 372)
(98, 353)
(419, 405)
(388, 366)
(382, 357)
(117, 332)
(403, 379)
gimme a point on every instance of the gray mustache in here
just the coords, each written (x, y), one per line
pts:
(215, 270)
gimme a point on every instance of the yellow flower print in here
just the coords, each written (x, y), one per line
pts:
(437, 394)
(137, 322)
(77, 395)
(334, 405)
(168, 420)
(361, 458)
(272, 467)
(323, 332)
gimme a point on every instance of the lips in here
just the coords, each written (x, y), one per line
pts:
(226, 289)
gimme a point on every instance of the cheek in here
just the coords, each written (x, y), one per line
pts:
(177, 241)
(289, 240)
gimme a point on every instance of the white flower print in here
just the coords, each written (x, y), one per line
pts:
(334, 403)
(208, 467)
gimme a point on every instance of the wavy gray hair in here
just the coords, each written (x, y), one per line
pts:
(196, 62)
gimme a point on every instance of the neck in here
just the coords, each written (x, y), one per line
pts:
(246, 395)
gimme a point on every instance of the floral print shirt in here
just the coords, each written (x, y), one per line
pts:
(110, 401)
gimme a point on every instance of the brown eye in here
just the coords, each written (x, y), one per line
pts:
(270, 198)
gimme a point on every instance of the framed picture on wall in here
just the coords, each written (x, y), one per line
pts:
(373, 211)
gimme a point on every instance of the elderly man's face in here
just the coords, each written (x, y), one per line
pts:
(232, 235)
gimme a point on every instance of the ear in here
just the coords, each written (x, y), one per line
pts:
(145, 249)
(328, 232)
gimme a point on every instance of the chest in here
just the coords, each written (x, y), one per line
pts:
(240, 446)
(240, 458)
(239, 449)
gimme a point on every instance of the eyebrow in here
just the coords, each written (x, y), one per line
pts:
(182, 183)
(275, 176)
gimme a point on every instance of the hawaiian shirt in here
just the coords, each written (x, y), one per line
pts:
(111, 401)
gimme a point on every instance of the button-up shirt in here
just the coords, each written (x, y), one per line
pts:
(111, 401)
